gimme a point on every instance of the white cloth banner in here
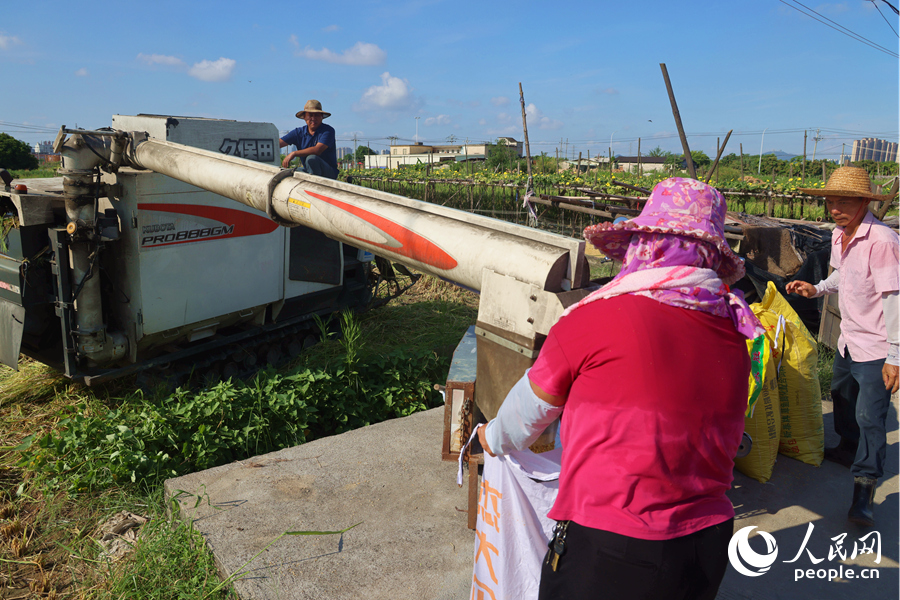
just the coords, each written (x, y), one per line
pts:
(512, 531)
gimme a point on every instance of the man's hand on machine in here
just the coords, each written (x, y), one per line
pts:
(523, 416)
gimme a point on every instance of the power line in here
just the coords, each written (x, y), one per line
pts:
(847, 32)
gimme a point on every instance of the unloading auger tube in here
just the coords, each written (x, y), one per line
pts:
(526, 276)
(441, 241)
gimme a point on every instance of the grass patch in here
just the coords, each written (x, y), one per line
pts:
(96, 451)
(824, 366)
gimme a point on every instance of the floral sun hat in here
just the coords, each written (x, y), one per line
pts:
(680, 206)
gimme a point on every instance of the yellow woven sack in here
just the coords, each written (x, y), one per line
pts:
(759, 353)
(764, 424)
(802, 432)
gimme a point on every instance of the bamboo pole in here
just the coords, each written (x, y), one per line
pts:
(718, 156)
(684, 143)
(525, 129)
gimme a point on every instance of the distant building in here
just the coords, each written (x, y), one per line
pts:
(43, 148)
(647, 163)
(419, 152)
(342, 152)
(874, 149)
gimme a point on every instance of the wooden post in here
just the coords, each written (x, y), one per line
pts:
(770, 204)
(557, 160)
(803, 175)
(742, 162)
(640, 170)
(824, 176)
(684, 143)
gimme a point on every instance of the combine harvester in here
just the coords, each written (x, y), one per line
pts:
(138, 258)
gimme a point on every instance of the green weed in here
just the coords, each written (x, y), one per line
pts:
(144, 440)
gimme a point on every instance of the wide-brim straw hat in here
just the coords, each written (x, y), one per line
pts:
(313, 106)
(679, 206)
(850, 182)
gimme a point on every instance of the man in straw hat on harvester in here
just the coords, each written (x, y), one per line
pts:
(314, 142)
(864, 255)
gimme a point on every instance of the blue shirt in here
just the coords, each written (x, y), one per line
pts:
(302, 139)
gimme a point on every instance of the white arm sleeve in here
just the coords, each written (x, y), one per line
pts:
(890, 304)
(828, 286)
(521, 419)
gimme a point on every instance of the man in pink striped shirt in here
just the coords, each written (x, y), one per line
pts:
(864, 256)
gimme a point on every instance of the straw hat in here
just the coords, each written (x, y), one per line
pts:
(313, 106)
(678, 206)
(852, 182)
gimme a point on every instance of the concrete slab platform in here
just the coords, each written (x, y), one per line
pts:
(413, 541)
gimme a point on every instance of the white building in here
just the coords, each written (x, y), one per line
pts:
(420, 153)
(43, 148)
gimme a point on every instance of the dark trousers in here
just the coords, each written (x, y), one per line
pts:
(607, 566)
(860, 410)
(314, 165)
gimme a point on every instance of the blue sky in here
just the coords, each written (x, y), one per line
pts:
(590, 70)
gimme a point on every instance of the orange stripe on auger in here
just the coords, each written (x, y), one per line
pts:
(412, 245)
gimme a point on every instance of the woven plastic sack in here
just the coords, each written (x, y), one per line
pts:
(802, 431)
(512, 529)
(759, 354)
(764, 424)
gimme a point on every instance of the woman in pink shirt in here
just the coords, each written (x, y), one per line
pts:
(864, 255)
(650, 376)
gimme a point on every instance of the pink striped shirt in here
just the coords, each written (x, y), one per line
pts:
(868, 268)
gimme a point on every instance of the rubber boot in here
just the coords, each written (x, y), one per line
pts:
(842, 454)
(863, 495)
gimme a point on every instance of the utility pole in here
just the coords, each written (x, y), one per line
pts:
(817, 138)
(417, 129)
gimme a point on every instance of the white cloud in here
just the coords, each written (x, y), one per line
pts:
(505, 131)
(392, 94)
(482, 122)
(213, 70)
(500, 101)
(360, 54)
(536, 117)
(331, 28)
(438, 120)
(841, 7)
(503, 117)
(160, 59)
(82, 72)
(7, 41)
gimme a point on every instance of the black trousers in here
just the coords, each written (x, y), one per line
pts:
(602, 565)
